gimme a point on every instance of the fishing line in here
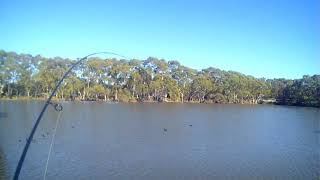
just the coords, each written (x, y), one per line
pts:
(51, 144)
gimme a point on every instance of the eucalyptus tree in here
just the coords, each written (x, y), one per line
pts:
(151, 79)
(200, 87)
(50, 71)
(27, 68)
(184, 77)
(9, 72)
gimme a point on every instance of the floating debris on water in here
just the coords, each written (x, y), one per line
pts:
(164, 129)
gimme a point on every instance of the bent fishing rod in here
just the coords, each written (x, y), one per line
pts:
(56, 106)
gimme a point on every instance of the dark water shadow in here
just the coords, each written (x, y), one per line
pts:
(3, 172)
(3, 115)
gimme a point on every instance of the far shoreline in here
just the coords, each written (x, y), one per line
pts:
(145, 102)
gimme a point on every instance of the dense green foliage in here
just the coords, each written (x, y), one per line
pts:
(148, 80)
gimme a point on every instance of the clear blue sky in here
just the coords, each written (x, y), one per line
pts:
(263, 38)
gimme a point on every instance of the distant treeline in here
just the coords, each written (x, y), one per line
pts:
(156, 80)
